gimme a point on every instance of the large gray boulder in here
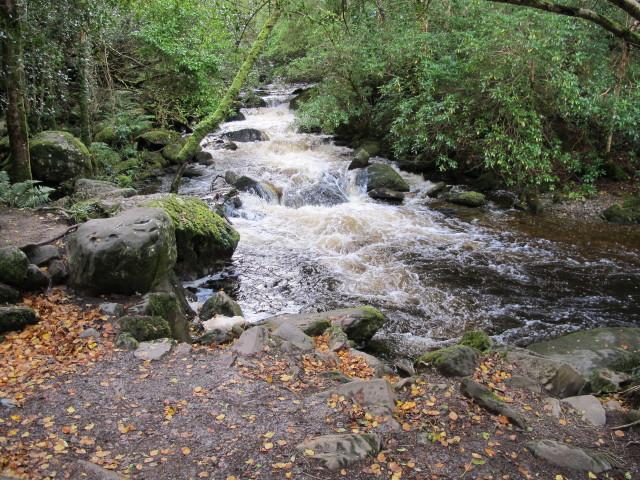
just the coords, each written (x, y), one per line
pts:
(220, 304)
(360, 323)
(58, 156)
(130, 253)
(86, 188)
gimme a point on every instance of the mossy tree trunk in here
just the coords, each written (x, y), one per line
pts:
(84, 54)
(20, 169)
(211, 122)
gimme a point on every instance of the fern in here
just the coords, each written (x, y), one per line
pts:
(23, 194)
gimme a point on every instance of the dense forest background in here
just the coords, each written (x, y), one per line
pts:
(486, 92)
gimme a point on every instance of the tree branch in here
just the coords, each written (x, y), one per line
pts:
(610, 25)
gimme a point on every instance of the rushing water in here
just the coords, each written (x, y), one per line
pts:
(435, 271)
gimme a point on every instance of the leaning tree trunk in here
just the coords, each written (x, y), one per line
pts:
(20, 169)
(211, 122)
(83, 80)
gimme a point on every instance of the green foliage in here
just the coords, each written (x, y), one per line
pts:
(469, 86)
(23, 194)
(89, 209)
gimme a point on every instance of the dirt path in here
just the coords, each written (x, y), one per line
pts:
(23, 227)
(206, 413)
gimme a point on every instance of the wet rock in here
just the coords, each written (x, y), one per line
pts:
(58, 156)
(467, 199)
(127, 342)
(157, 139)
(36, 279)
(154, 350)
(369, 393)
(86, 188)
(59, 271)
(381, 175)
(590, 350)
(144, 328)
(435, 189)
(453, 361)
(114, 310)
(558, 379)
(567, 456)
(131, 252)
(13, 266)
(231, 177)
(204, 158)
(339, 451)
(252, 341)
(626, 214)
(8, 294)
(503, 198)
(487, 400)
(387, 195)
(246, 135)
(253, 101)
(42, 255)
(192, 172)
(171, 152)
(236, 117)
(220, 304)
(360, 323)
(590, 409)
(229, 145)
(16, 318)
(360, 159)
(294, 336)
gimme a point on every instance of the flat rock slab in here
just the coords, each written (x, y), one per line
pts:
(294, 336)
(566, 456)
(23, 228)
(590, 350)
(340, 451)
(252, 341)
(369, 393)
(154, 350)
(589, 407)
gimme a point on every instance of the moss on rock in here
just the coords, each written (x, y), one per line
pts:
(203, 237)
(453, 361)
(14, 266)
(157, 139)
(626, 214)
(57, 156)
(467, 199)
(477, 339)
(145, 328)
(381, 175)
(16, 318)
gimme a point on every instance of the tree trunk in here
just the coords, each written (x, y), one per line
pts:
(83, 79)
(210, 123)
(621, 73)
(20, 169)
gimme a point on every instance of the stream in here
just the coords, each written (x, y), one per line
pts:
(433, 269)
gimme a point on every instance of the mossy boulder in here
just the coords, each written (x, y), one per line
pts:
(58, 156)
(476, 339)
(126, 341)
(107, 134)
(132, 252)
(16, 318)
(156, 139)
(14, 266)
(145, 328)
(204, 239)
(8, 294)
(626, 214)
(360, 159)
(453, 361)
(467, 199)
(171, 151)
(381, 175)
(220, 304)
(166, 305)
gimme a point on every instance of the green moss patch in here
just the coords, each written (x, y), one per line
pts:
(477, 339)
